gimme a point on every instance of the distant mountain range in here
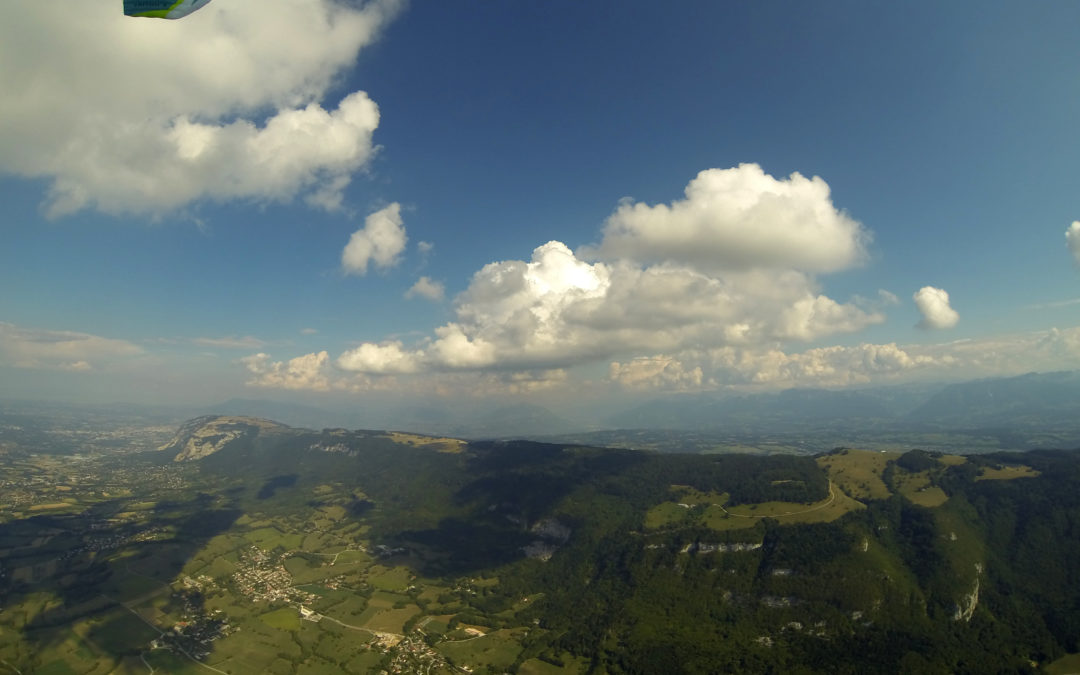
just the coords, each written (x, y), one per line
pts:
(1034, 399)
(1044, 402)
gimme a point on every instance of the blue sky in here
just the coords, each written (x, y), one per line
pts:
(176, 230)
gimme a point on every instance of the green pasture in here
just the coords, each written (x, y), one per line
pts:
(918, 489)
(1007, 473)
(858, 472)
(495, 650)
(1066, 665)
(391, 620)
(286, 618)
(269, 538)
(389, 579)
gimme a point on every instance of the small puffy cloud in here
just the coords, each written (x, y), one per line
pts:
(425, 247)
(933, 304)
(1072, 238)
(59, 350)
(309, 331)
(426, 288)
(738, 218)
(308, 372)
(384, 359)
(381, 240)
(107, 113)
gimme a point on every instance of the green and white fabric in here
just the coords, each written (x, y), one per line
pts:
(162, 9)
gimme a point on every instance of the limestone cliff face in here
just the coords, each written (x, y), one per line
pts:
(203, 436)
(965, 608)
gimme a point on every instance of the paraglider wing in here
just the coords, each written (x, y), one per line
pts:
(162, 9)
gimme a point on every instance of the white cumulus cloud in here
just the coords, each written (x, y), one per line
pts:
(145, 117)
(738, 218)
(426, 288)
(933, 304)
(381, 240)
(387, 358)
(308, 372)
(757, 367)
(556, 311)
(734, 264)
(1072, 238)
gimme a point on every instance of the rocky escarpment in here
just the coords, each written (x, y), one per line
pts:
(203, 436)
(965, 607)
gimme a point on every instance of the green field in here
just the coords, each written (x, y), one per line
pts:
(668, 514)
(745, 515)
(858, 472)
(75, 655)
(165, 661)
(257, 646)
(391, 620)
(952, 460)
(700, 508)
(495, 650)
(917, 488)
(1066, 665)
(286, 618)
(1007, 473)
(390, 579)
(269, 538)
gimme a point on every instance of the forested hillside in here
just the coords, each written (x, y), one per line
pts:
(435, 555)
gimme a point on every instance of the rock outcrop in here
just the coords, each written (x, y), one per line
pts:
(203, 436)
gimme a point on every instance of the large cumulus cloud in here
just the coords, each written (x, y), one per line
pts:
(739, 218)
(646, 288)
(136, 116)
